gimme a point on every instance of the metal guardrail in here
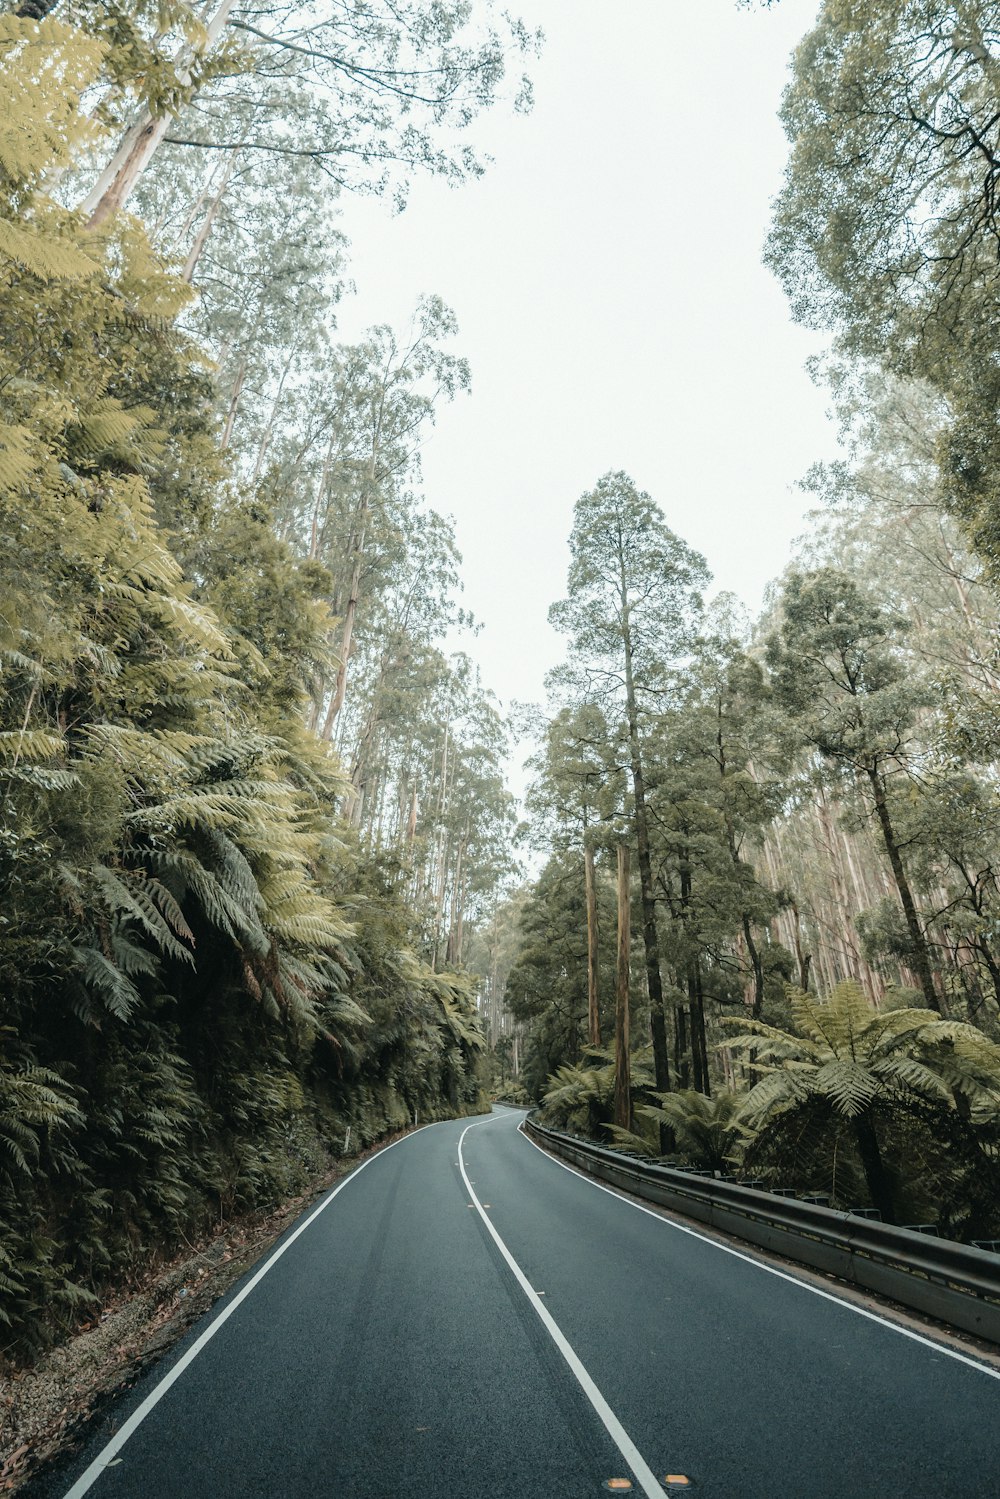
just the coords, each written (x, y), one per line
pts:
(952, 1282)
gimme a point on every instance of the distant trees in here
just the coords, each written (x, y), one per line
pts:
(576, 791)
(633, 595)
(663, 725)
(886, 230)
(836, 672)
(885, 233)
(818, 810)
(547, 987)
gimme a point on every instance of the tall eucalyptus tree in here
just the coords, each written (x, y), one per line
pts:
(380, 87)
(837, 668)
(634, 595)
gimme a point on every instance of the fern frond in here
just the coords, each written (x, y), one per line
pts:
(106, 982)
(32, 745)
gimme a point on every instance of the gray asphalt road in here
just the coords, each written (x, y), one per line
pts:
(395, 1349)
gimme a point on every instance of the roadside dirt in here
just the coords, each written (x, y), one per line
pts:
(44, 1409)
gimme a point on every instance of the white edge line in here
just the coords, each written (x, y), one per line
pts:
(629, 1451)
(87, 1479)
(805, 1285)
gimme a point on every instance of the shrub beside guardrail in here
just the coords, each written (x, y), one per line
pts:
(952, 1282)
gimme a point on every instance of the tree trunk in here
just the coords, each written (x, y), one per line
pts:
(272, 421)
(205, 228)
(981, 946)
(623, 1078)
(234, 402)
(682, 1065)
(346, 639)
(143, 138)
(757, 968)
(593, 1010)
(442, 851)
(921, 957)
(361, 532)
(455, 917)
(803, 959)
(650, 941)
(460, 923)
(874, 1168)
(699, 1040)
(651, 948)
(842, 943)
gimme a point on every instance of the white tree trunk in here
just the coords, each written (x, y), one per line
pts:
(139, 144)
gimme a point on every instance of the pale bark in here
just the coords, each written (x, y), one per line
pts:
(849, 958)
(144, 136)
(347, 635)
(272, 420)
(455, 914)
(234, 402)
(918, 939)
(321, 493)
(442, 850)
(360, 534)
(205, 227)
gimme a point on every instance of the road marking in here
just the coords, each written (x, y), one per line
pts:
(804, 1285)
(629, 1451)
(107, 1457)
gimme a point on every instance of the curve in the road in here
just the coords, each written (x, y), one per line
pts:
(938, 1345)
(474, 1319)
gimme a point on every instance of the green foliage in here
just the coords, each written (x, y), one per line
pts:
(634, 595)
(205, 979)
(912, 1100)
(839, 671)
(580, 1098)
(886, 229)
(546, 989)
(707, 1130)
(837, 667)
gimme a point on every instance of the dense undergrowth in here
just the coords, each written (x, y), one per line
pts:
(894, 1109)
(205, 979)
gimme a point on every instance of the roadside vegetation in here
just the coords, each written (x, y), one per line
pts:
(250, 808)
(810, 798)
(258, 899)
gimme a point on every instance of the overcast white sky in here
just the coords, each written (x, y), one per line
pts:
(607, 280)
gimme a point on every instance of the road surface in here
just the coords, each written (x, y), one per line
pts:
(465, 1316)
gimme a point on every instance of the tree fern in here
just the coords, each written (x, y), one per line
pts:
(707, 1130)
(871, 1069)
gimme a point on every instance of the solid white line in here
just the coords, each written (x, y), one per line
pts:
(86, 1481)
(804, 1285)
(629, 1451)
